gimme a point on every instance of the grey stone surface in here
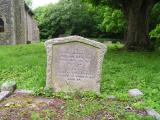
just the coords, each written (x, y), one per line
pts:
(153, 113)
(135, 93)
(111, 97)
(19, 24)
(128, 108)
(74, 63)
(30, 92)
(9, 86)
(4, 94)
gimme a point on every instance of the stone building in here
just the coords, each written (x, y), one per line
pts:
(17, 25)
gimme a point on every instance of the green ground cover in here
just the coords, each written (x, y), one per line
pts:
(122, 71)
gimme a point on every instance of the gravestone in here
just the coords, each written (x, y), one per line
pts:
(74, 63)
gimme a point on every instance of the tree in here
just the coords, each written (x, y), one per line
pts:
(42, 15)
(69, 17)
(155, 16)
(113, 21)
(137, 14)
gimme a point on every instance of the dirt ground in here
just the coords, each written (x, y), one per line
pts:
(27, 107)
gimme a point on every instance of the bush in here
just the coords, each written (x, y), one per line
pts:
(155, 35)
(114, 21)
(72, 17)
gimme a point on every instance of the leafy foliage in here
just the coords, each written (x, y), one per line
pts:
(155, 16)
(136, 36)
(113, 21)
(41, 14)
(155, 25)
(155, 35)
(69, 18)
(156, 32)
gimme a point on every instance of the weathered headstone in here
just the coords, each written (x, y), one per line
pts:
(4, 94)
(74, 63)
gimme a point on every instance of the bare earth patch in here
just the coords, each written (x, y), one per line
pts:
(25, 107)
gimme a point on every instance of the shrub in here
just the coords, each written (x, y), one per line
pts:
(155, 35)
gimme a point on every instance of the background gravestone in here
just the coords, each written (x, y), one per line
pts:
(74, 63)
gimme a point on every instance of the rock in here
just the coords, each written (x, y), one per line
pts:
(29, 92)
(135, 93)
(4, 94)
(153, 113)
(128, 109)
(9, 104)
(9, 86)
(111, 97)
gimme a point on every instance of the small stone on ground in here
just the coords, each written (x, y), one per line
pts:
(153, 113)
(4, 94)
(111, 97)
(9, 86)
(29, 92)
(9, 104)
(135, 93)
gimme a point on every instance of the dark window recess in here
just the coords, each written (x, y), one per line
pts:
(1, 25)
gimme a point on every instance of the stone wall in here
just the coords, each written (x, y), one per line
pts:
(29, 27)
(35, 32)
(32, 31)
(19, 10)
(6, 13)
(20, 25)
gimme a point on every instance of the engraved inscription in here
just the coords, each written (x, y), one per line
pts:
(75, 62)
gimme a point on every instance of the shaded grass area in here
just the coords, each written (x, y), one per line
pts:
(122, 71)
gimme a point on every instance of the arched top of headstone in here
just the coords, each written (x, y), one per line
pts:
(75, 38)
(74, 63)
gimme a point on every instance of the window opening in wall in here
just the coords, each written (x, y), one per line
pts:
(1, 25)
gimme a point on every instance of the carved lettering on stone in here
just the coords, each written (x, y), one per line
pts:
(74, 63)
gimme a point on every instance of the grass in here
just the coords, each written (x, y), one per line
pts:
(25, 64)
(122, 71)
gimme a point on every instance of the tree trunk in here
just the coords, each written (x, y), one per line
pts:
(138, 26)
